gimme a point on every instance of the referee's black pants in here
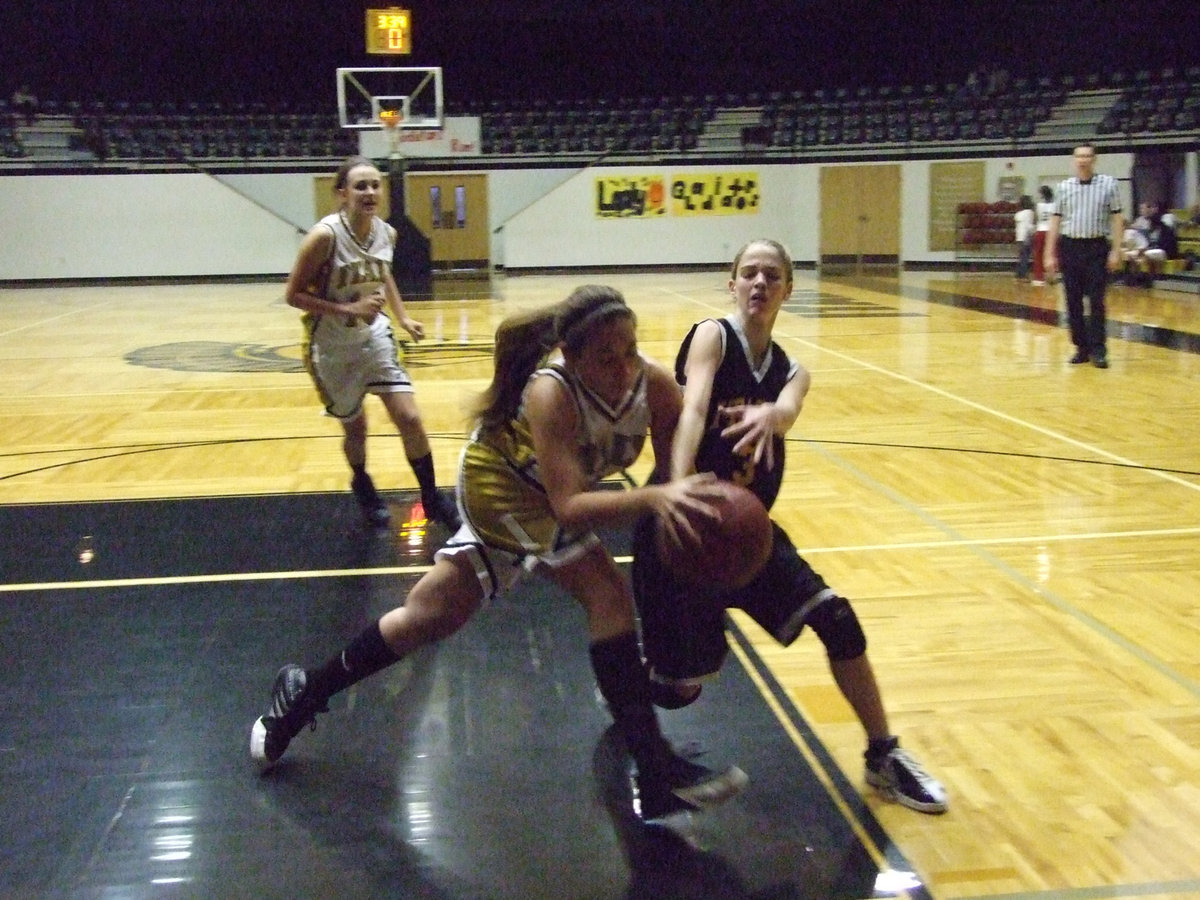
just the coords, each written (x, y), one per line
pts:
(1085, 274)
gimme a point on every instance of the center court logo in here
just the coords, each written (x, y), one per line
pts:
(215, 356)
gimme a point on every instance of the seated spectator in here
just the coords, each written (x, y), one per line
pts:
(1146, 250)
(1133, 250)
(1163, 244)
(24, 103)
(1142, 222)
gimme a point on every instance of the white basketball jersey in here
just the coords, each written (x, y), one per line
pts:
(353, 269)
(610, 437)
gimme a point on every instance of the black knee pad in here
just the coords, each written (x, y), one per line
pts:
(837, 626)
(665, 696)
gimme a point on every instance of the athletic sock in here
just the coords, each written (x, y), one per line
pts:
(879, 748)
(364, 656)
(422, 467)
(621, 677)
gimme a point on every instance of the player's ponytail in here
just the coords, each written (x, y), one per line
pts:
(522, 342)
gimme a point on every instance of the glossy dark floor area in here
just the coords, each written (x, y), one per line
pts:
(139, 643)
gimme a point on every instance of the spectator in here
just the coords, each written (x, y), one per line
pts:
(1142, 222)
(25, 103)
(1023, 228)
(1044, 210)
(1133, 250)
(1161, 244)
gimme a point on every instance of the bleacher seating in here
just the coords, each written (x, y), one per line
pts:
(978, 112)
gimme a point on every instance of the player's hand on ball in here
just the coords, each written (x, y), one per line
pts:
(721, 554)
(687, 502)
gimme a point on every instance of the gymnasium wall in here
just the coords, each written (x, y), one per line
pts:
(194, 225)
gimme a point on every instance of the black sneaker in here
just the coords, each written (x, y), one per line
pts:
(901, 779)
(290, 712)
(374, 510)
(442, 508)
(684, 786)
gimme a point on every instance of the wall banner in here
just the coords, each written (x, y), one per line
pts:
(715, 194)
(630, 197)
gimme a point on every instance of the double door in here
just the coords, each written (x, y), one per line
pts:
(451, 210)
(860, 217)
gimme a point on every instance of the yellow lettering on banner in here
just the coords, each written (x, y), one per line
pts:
(715, 194)
(630, 196)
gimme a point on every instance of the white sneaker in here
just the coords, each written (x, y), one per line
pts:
(901, 779)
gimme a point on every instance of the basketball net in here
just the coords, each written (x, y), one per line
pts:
(390, 119)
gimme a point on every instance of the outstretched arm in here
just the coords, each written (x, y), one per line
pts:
(700, 368)
(666, 401)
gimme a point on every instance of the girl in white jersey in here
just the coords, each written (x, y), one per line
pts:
(342, 280)
(548, 429)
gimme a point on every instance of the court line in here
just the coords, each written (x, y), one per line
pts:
(1190, 887)
(1012, 420)
(63, 315)
(815, 765)
(626, 560)
(1051, 597)
(959, 541)
(210, 579)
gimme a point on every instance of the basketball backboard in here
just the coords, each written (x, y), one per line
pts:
(415, 92)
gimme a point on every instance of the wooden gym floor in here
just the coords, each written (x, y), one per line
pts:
(1019, 537)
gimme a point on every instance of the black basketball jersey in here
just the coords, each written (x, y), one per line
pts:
(737, 382)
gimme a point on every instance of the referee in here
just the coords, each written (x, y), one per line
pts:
(1085, 233)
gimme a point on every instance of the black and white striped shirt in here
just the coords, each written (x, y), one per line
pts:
(1087, 207)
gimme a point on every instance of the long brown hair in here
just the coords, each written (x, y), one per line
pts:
(523, 341)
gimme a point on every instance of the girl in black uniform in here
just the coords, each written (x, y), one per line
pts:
(741, 396)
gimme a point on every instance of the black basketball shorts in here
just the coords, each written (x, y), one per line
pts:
(683, 628)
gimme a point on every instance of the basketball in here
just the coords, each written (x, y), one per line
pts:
(732, 550)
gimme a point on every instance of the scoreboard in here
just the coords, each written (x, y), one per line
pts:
(389, 31)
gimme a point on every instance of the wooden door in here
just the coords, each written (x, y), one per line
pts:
(451, 210)
(860, 216)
